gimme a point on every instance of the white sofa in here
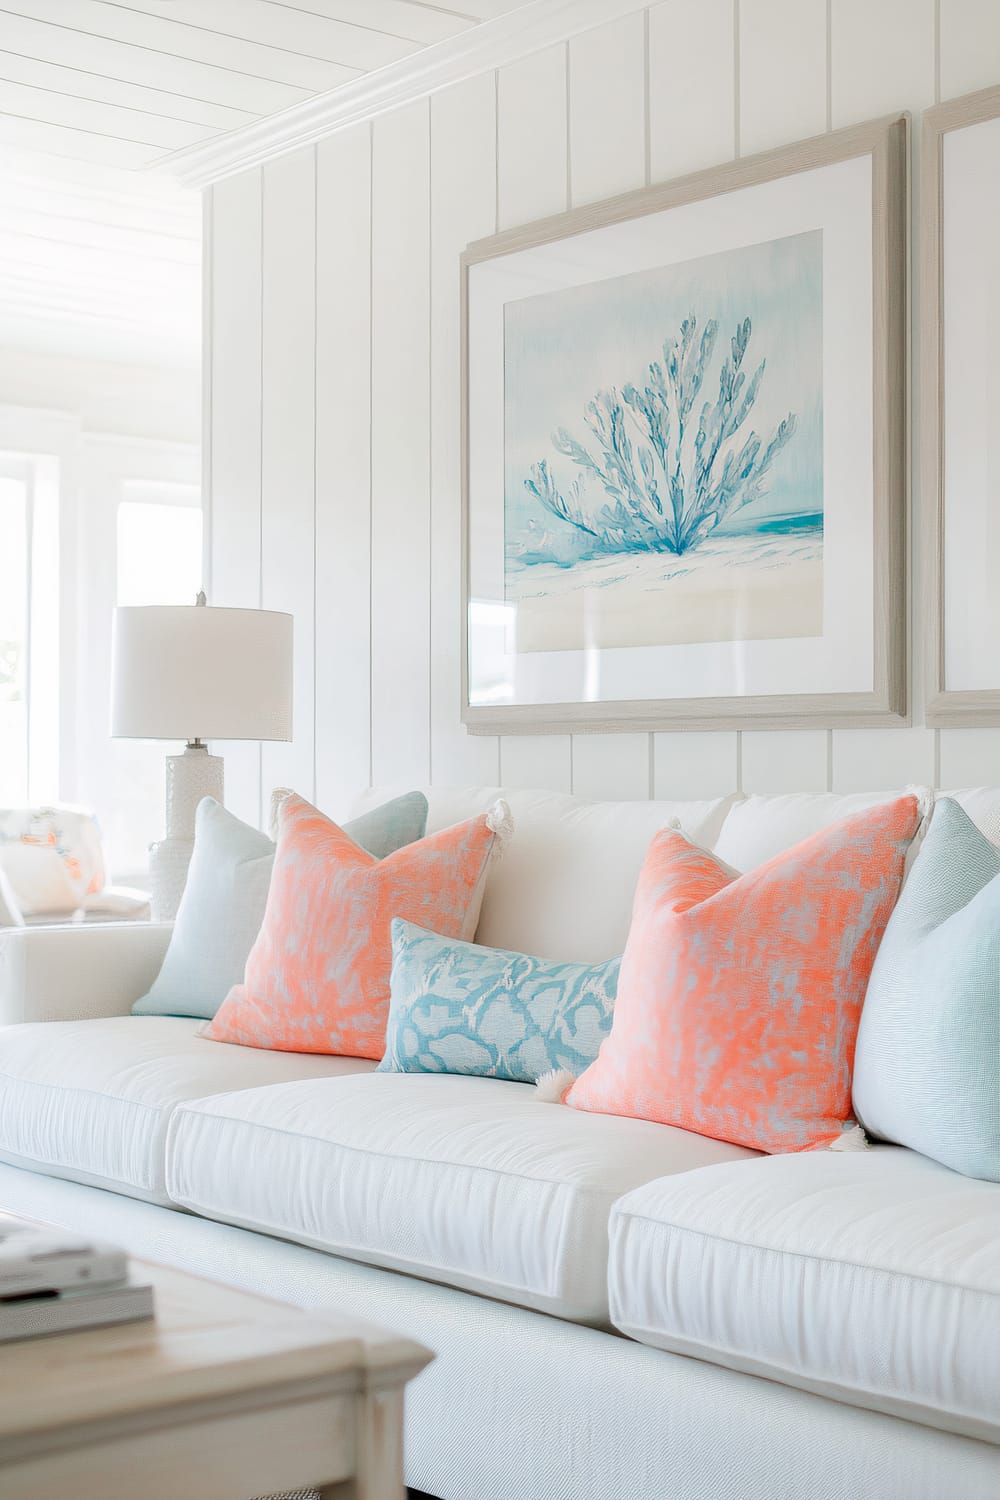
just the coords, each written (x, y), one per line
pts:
(619, 1309)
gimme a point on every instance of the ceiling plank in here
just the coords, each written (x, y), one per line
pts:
(87, 192)
(425, 24)
(164, 331)
(120, 239)
(354, 46)
(487, 10)
(90, 211)
(94, 273)
(56, 336)
(174, 40)
(154, 308)
(60, 44)
(100, 119)
(76, 84)
(58, 140)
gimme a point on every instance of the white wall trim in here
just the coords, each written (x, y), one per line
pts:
(491, 44)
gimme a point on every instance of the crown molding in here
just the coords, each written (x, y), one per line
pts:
(480, 49)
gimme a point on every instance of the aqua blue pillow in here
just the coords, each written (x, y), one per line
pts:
(223, 904)
(927, 1065)
(460, 1008)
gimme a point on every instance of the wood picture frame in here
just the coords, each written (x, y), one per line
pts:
(885, 143)
(947, 706)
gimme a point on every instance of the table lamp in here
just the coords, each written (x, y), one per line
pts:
(194, 673)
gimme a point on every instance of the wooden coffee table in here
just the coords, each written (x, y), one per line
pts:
(224, 1394)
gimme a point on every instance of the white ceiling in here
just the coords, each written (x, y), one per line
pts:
(99, 258)
(124, 84)
(98, 262)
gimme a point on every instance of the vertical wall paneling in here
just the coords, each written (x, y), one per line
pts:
(970, 46)
(537, 760)
(343, 472)
(288, 340)
(531, 138)
(607, 150)
(883, 57)
(969, 757)
(777, 762)
(233, 356)
(779, 104)
(401, 446)
(691, 95)
(533, 182)
(612, 767)
(695, 765)
(463, 208)
(500, 150)
(883, 759)
(873, 75)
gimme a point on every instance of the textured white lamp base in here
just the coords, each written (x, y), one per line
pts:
(190, 776)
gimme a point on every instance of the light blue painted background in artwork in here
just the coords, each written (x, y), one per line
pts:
(561, 348)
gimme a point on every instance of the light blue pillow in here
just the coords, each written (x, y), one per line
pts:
(222, 907)
(927, 1066)
(460, 1008)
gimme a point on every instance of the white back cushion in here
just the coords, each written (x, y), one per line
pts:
(982, 803)
(563, 888)
(759, 827)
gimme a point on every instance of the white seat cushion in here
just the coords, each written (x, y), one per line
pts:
(564, 887)
(871, 1276)
(470, 1181)
(90, 1100)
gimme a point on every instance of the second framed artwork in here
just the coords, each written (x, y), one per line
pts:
(959, 427)
(684, 452)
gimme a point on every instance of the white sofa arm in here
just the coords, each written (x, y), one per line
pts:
(78, 972)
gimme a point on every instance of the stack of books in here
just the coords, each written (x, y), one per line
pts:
(51, 1282)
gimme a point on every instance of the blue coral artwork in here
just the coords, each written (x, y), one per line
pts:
(663, 453)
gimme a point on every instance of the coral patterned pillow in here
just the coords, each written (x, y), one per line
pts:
(739, 996)
(317, 978)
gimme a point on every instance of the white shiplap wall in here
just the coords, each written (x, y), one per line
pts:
(334, 377)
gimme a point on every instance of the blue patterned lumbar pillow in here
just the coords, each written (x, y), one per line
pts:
(460, 1008)
(927, 1066)
(222, 907)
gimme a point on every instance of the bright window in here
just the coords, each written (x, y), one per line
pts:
(159, 553)
(15, 575)
(158, 560)
(86, 521)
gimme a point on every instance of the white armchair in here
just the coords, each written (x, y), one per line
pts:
(52, 869)
(10, 912)
(77, 972)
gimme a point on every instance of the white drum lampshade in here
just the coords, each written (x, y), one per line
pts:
(194, 673)
(184, 672)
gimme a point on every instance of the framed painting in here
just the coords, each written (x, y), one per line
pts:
(960, 424)
(684, 451)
